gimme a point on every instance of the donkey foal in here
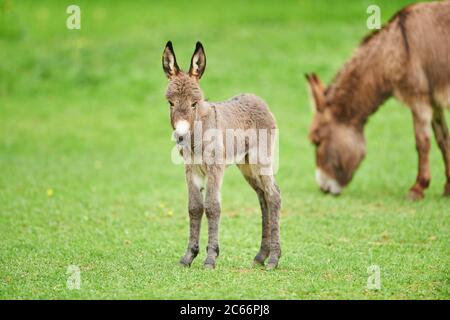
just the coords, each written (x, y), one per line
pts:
(199, 130)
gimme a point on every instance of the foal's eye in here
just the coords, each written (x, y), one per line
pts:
(194, 105)
(171, 104)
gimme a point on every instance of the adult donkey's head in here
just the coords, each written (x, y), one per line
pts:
(340, 145)
(183, 93)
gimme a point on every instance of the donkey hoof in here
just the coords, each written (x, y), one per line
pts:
(271, 266)
(258, 263)
(415, 195)
(209, 265)
(259, 259)
(273, 262)
(185, 262)
(447, 190)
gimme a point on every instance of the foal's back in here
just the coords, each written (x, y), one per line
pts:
(244, 111)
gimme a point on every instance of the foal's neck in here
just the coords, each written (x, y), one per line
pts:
(204, 111)
(360, 87)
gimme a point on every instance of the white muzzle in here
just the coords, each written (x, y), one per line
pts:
(327, 184)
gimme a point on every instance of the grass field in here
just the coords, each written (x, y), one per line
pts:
(86, 177)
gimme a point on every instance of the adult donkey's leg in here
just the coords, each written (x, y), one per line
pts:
(273, 197)
(254, 181)
(212, 210)
(422, 116)
(443, 140)
(194, 180)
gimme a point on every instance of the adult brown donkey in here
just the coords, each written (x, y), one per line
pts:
(207, 135)
(409, 58)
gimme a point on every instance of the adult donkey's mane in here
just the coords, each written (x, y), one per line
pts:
(360, 86)
(399, 18)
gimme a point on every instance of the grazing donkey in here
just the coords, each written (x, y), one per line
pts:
(191, 116)
(409, 58)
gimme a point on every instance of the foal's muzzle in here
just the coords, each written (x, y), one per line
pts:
(180, 140)
(181, 133)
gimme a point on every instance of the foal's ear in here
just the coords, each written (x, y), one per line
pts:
(198, 61)
(169, 62)
(317, 90)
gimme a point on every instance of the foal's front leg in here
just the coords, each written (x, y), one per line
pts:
(193, 180)
(212, 210)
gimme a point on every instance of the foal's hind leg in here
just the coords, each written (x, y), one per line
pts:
(443, 140)
(255, 183)
(273, 197)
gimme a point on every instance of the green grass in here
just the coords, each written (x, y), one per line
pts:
(83, 113)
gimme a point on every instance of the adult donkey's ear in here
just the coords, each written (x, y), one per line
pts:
(317, 91)
(169, 62)
(198, 61)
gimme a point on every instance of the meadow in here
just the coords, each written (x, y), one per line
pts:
(86, 177)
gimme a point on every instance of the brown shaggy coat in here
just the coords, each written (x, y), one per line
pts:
(409, 58)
